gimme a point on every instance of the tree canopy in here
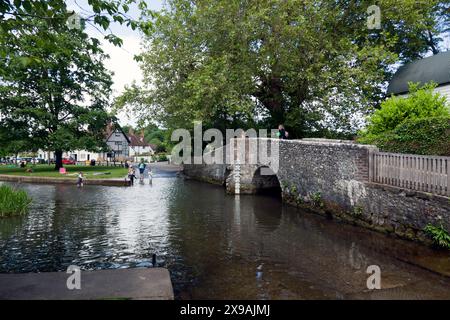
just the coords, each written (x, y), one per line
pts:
(56, 95)
(313, 65)
(14, 14)
(53, 84)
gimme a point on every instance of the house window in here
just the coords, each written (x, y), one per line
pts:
(118, 143)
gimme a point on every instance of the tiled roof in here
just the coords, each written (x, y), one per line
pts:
(137, 141)
(435, 68)
(110, 128)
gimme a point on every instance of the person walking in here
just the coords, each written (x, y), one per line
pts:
(142, 167)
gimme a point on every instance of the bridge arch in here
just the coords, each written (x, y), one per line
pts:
(265, 181)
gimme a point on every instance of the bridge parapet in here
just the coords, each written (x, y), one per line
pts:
(334, 178)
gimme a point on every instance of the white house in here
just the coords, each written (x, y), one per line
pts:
(435, 68)
(118, 143)
(138, 145)
(121, 146)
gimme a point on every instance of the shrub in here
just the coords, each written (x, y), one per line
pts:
(439, 234)
(316, 199)
(420, 103)
(160, 148)
(13, 202)
(417, 124)
(427, 136)
(162, 157)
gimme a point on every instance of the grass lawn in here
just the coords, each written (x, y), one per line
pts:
(96, 172)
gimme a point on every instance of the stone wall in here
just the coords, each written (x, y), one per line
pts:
(214, 173)
(332, 178)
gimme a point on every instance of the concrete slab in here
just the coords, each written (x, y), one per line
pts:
(118, 284)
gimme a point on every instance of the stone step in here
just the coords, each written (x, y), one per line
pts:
(118, 284)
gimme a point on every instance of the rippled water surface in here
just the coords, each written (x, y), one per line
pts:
(215, 245)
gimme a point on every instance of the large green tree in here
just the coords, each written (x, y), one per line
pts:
(15, 14)
(58, 92)
(313, 65)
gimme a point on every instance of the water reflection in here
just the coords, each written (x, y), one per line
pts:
(215, 245)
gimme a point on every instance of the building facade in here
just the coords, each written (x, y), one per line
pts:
(117, 141)
(121, 147)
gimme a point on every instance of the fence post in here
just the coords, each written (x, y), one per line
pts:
(448, 177)
(371, 165)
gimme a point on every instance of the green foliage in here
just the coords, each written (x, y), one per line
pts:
(439, 234)
(14, 16)
(418, 124)
(420, 103)
(357, 211)
(316, 199)
(13, 202)
(293, 189)
(312, 65)
(162, 157)
(426, 136)
(161, 148)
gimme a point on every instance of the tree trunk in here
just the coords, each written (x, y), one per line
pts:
(58, 159)
(271, 96)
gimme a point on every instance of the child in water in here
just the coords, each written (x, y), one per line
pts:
(80, 179)
(131, 175)
(150, 175)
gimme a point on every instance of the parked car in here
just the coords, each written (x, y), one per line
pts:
(69, 161)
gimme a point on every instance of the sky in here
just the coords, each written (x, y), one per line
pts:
(121, 62)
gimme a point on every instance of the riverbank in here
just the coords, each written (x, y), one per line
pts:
(65, 180)
(121, 284)
(94, 172)
(96, 175)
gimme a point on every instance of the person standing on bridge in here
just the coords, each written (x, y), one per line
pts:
(282, 133)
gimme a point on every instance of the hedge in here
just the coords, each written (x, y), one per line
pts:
(425, 136)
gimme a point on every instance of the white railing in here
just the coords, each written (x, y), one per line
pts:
(422, 173)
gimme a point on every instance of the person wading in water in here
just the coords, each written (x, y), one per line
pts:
(131, 175)
(142, 167)
(80, 179)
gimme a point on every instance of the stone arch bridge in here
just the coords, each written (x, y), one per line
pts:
(330, 177)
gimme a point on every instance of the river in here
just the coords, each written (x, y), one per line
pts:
(216, 246)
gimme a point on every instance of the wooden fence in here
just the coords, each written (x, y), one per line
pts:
(422, 173)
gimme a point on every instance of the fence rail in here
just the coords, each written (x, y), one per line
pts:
(422, 173)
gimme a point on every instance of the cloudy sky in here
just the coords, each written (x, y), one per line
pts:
(121, 61)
